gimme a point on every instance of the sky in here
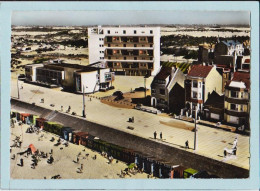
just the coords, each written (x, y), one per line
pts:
(81, 18)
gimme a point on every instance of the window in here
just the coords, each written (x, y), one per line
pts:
(142, 39)
(241, 107)
(234, 106)
(117, 64)
(199, 84)
(151, 45)
(151, 31)
(108, 31)
(135, 58)
(124, 32)
(124, 45)
(195, 83)
(135, 45)
(234, 94)
(134, 31)
(194, 95)
(162, 91)
(242, 94)
(115, 38)
(115, 51)
(124, 58)
(109, 57)
(153, 91)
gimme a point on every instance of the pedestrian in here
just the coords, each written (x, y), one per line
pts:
(21, 162)
(81, 167)
(155, 134)
(133, 119)
(187, 144)
(90, 99)
(51, 152)
(225, 153)
(235, 143)
(161, 135)
(61, 108)
(77, 159)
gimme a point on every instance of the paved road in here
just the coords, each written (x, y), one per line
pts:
(211, 142)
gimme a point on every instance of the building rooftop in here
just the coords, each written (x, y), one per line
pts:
(199, 71)
(164, 73)
(215, 100)
(241, 80)
(231, 42)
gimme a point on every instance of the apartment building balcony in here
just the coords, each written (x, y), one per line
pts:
(128, 39)
(236, 113)
(129, 45)
(130, 65)
(236, 100)
(130, 58)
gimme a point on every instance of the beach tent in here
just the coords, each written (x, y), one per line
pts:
(33, 149)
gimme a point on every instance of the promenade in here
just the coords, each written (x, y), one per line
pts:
(211, 142)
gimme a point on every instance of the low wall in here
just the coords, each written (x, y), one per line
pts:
(139, 144)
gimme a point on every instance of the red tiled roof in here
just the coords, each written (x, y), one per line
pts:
(164, 73)
(199, 71)
(242, 77)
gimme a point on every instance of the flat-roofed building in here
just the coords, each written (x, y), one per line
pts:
(72, 76)
(30, 72)
(133, 51)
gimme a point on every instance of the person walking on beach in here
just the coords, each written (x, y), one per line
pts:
(161, 135)
(155, 134)
(21, 162)
(187, 144)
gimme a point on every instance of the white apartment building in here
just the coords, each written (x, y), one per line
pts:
(133, 51)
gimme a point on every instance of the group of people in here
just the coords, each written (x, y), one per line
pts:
(233, 151)
(155, 135)
(110, 158)
(17, 142)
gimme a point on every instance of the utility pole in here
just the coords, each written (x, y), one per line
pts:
(195, 131)
(146, 76)
(18, 93)
(84, 112)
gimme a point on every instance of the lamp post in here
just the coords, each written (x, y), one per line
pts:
(84, 106)
(195, 131)
(18, 93)
(146, 76)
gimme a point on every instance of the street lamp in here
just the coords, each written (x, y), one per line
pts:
(146, 76)
(195, 130)
(18, 93)
(84, 106)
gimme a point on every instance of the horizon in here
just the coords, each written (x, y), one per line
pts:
(85, 18)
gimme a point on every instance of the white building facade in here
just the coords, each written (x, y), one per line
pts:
(133, 51)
